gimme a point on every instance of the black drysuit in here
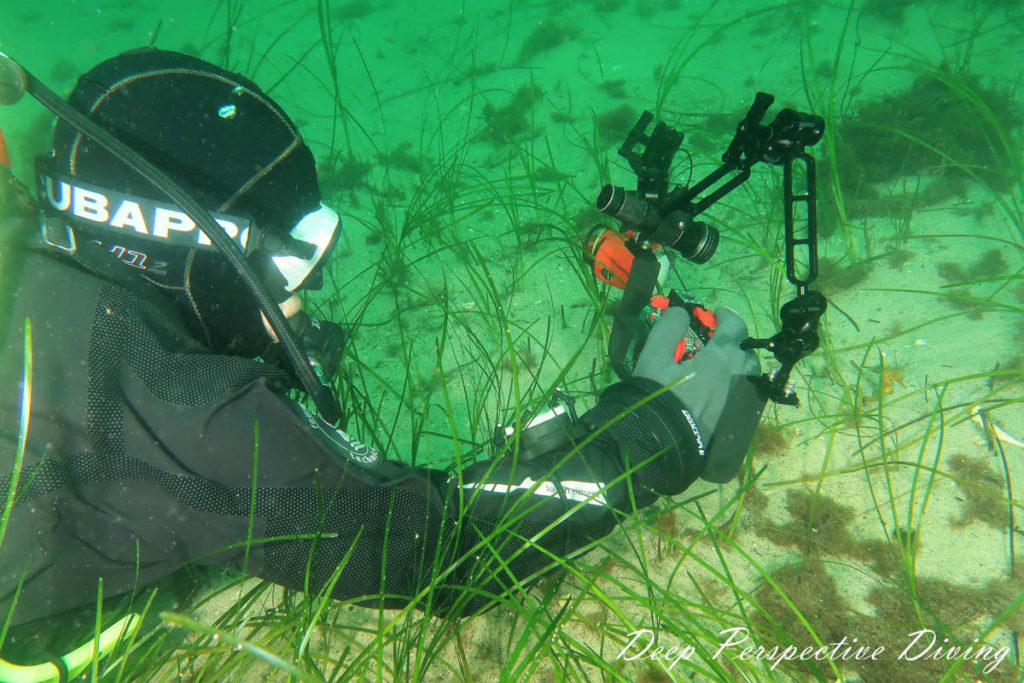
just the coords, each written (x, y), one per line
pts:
(142, 447)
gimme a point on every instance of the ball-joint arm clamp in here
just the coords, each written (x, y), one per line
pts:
(797, 339)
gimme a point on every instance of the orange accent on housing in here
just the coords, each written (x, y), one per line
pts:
(613, 261)
(660, 302)
(680, 352)
(706, 317)
(4, 158)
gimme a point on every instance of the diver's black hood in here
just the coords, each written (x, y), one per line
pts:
(221, 138)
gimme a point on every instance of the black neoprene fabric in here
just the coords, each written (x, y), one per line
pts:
(140, 459)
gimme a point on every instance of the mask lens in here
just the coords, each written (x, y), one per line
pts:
(319, 228)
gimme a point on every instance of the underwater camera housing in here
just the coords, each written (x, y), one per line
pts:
(654, 217)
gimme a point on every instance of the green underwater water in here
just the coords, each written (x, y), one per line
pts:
(464, 145)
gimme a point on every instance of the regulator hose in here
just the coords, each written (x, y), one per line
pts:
(69, 666)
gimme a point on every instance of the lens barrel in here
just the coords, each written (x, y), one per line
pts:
(695, 240)
(623, 204)
(698, 242)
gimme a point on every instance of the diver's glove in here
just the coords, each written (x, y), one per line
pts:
(719, 386)
(675, 422)
(701, 383)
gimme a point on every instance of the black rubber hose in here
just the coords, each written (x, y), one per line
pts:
(324, 399)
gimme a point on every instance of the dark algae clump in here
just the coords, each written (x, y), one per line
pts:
(946, 126)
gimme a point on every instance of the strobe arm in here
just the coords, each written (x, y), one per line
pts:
(777, 143)
(784, 143)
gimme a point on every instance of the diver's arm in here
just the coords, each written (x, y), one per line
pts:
(393, 530)
(507, 521)
(643, 439)
(631, 448)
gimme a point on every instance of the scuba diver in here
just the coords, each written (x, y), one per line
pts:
(157, 437)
